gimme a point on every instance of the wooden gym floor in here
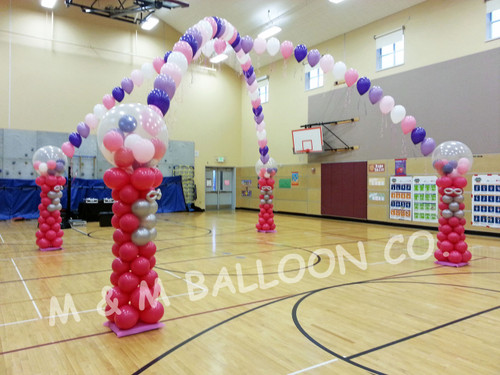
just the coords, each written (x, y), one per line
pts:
(387, 316)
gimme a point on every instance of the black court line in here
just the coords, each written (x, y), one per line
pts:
(349, 358)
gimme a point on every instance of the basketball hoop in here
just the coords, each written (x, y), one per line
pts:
(307, 150)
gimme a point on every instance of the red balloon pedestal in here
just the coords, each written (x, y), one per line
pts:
(132, 305)
(452, 248)
(266, 215)
(50, 235)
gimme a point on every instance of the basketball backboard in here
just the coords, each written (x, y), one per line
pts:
(307, 140)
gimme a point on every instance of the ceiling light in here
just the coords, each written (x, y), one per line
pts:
(48, 3)
(218, 58)
(269, 32)
(335, 1)
(150, 23)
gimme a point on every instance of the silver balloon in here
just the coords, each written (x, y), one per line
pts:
(266, 196)
(59, 194)
(262, 201)
(263, 191)
(140, 208)
(58, 188)
(56, 201)
(141, 236)
(459, 214)
(52, 194)
(447, 199)
(447, 214)
(270, 201)
(152, 234)
(459, 198)
(454, 206)
(149, 221)
(59, 207)
(51, 207)
(153, 207)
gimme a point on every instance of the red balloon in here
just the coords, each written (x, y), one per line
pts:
(265, 227)
(39, 234)
(129, 223)
(116, 178)
(258, 226)
(115, 194)
(441, 236)
(150, 278)
(140, 266)
(158, 177)
(50, 220)
(143, 178)
(438, 254)
(46, 188)
(446, 246)
(128, 282)
(453, 221)
(153, 314)
(270, 221)
(128, 251)
(444, 182)
(461, 246)
(147, 250)
(460, 182)
(152, 262)
(60, 233)
(463, 221)
(43, 243)
(44, 228)
(115, 249)
(55, 227)
(273, 226)
(262, 182)
(113, 278)
(120, 236)
(109, 316)
(261, 221)
(115, 221)
(442, 206)
(40, 180)
(124, 157)
(466, 256)
(119, 266)
(148, 295)
(461, 206)
(121, 297)
(44, 213)
(128, 318)
(57, 242)
(61, 180)
(128, 194)
(120, 208)
(56, 214)
(446, 229)
(160, 148)
(455, 257)
(453, 237)
(459, 229)
(265, 216)
(46, 201)
(51, 180)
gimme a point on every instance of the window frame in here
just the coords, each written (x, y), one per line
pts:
(395, 40)
(319, 77)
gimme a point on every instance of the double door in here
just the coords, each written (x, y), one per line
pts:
(219, 188)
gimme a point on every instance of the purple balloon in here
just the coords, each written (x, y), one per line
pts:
(427, 146)
(417, 135)
(83, 129)
(165, 83)
(263, 151)
(313, 57)
(249, 72)
(258, 119)
(160, 99)
(189, 39)
(257, 111)
(251, 79)
(236, 42)
(218, 22)
(300, 52)
(246, 44)
(447, 168)
(165, 58)
(196, 34)
(118, 94)
(363, 85)
(264, 158)
(60, 165)
(75, 139)
(375, 94)
(127, 85)
(222, 29)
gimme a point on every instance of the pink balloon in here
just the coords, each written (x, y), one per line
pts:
(143, 150)
(246, 65)
(253, 87)
(286, 49)
(408, 124)
(256, 103)
(137, 77)
(233, 38)
(112, 140)
(259, 45)
(212, 23)
(108, 101)
(386, 104)
(91, 120)
(219, 46)
(68, 149)
(51, 164)
(158, 63)
(464, 165)
(157, 110)
(262, 143)
(351, 76)
(36, 164)
(185, 49)
(174, 71)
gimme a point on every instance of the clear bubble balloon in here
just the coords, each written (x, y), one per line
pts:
(452, 156)
(50, 160)
(132, 135)
(268, 169)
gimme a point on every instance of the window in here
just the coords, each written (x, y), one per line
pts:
(314, 78)
(390, 49)
(493, 19)
(263, 83)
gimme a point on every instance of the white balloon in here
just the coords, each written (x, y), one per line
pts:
(273, 46)
(259, 45)
(100, 110)
(148, 70)
(131, 139)
(178, 59)
(398, 113)
(254, 95)
(208, 48)
(262, 135)
(326, 63)
(205, 30)
(228, 34)
(339, 70)
(243, 59)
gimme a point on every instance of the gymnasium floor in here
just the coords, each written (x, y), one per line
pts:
(387, 315)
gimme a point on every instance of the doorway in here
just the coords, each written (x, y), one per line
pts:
(219, 188)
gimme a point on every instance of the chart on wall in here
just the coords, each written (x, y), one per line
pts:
(425, 199)
(401, 197)
(486, 201)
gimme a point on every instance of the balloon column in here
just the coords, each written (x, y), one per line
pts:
(452, 160)
(133, 137)
(50, 163)
(266, 172)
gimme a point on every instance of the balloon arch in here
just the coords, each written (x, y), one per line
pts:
(134, 138)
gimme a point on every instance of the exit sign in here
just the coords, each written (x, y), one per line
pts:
(220, 159)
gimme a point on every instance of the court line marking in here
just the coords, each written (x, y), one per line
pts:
(313, 367)
(1, 238)
(27, 290)
(187, 282)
